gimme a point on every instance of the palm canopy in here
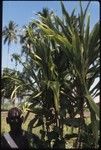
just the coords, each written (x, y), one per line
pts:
(10, 33)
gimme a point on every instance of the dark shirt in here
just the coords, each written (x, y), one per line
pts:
(23, 140)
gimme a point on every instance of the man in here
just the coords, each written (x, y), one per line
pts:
(17, 137)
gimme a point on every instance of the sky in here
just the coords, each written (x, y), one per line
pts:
(21, 12)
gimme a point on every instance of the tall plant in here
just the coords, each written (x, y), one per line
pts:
(62, 64)
(9, 33)
(82, 49)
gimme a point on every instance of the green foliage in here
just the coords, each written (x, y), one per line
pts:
(61, 64)
(75, 122)
(9, 33)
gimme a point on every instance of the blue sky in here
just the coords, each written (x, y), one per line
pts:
(22, 12)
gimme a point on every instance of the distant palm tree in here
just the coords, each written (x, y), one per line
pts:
(10, 33)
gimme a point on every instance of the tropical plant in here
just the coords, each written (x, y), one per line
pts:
(77, 42)
(9, 33)
(57, 78)
(5, 83)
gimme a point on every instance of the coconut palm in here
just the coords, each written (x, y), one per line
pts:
(10, 33)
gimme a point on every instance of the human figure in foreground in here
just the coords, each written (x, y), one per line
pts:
(17, 137)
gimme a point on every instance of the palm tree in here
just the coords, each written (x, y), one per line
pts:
(10, 33)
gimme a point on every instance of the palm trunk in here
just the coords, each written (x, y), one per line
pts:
(8, 56)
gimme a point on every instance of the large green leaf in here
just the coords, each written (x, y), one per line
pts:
(93, 105)
(87, 34)
(66, 14)
(14, 91)
(75, 122)
(55, 86)
(59, 38)
(31, 123)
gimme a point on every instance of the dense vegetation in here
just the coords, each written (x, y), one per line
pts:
(60, 59)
